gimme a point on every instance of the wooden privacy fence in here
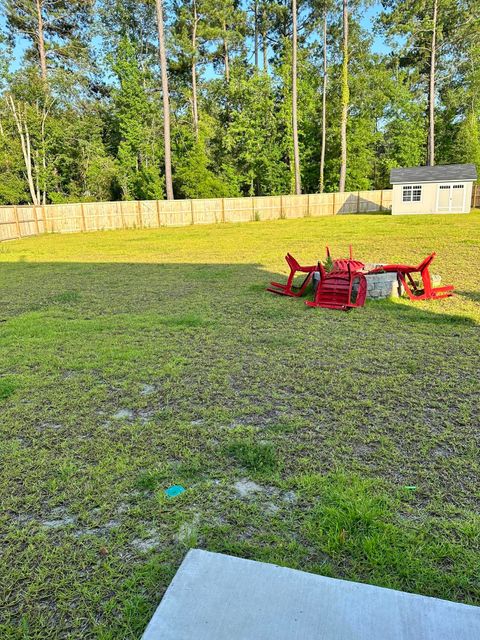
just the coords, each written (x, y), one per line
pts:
(476, 196)
(28, 220)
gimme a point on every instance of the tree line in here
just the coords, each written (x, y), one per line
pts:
(147, 99)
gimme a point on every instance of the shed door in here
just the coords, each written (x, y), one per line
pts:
(451, 198)
(444, 197)
(458, 197)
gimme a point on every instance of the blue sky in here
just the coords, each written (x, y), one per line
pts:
(367, 21)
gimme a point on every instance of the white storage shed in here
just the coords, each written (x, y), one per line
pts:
(437, 189)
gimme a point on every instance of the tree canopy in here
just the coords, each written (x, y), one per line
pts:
(82, 95)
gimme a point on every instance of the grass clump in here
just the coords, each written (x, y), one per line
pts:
(67, 297)
(185, 321)
(260, 458)
(286, 425)
(349, 508)
(149, 480)
(366, 530)
(8, 386)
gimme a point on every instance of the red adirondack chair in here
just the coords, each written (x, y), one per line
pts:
(413, 291)
(341, 264)
(335, 289)
(289, 289)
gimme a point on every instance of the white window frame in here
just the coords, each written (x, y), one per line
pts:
(410, 188)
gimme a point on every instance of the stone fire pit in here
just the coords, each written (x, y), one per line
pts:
(380, 285)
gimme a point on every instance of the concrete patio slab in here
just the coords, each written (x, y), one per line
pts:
(219, 597)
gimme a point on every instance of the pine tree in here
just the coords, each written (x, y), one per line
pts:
(345, 92)
(56, 29)
(296, 153)
(138, 168)
(166, 99)
(430, 31)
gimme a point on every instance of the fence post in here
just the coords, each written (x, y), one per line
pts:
(192, 212)
(223, 209)
(381, 200)
(358, 201)
(139, 214)
(120, 206)
(308, 205)
(334, 212)
(158, 213)
(82, 212)
(35, 217)
(44, 216)
(253, 208)
(282, 215)
(17, 221)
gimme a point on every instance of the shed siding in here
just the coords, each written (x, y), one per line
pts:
(428, 203)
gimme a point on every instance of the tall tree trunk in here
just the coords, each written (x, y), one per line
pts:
(296, 154)
(194, 71)
(345, 100)
(24, 135)
(41, 42)
(324, 105)
(225, 53)
(431, 89)
(255, 18)
(36, 165)
(45, 111)
(166, 99)
(264, 39)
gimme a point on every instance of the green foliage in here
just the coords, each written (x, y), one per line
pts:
(12, 186)
(196, 178)
(95, 123)
(328, 264)
(251, 137)
(467, 143)
(139, 174)
(65, 29)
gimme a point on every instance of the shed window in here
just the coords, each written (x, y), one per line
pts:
(412, 193)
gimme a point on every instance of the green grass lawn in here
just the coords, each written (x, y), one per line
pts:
(340, 443)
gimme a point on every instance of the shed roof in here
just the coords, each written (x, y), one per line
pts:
(438, 173)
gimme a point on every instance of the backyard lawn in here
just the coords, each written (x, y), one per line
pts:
(340, 443)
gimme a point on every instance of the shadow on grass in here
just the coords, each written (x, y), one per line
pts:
(182, 290)
(415, 313)
(474, 296)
